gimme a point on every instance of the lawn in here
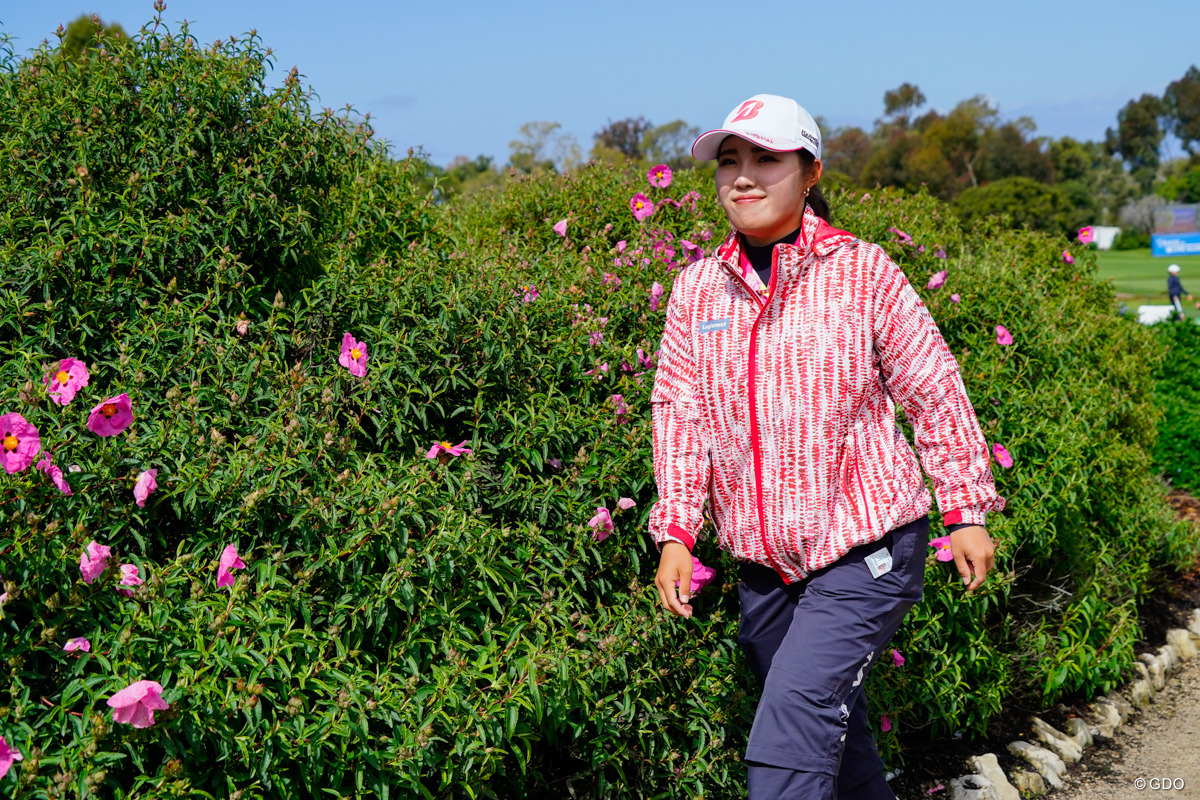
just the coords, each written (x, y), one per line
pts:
(1140, 278)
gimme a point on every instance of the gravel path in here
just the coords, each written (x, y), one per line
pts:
(1160, 745)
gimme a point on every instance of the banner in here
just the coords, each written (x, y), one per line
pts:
(1175, 244)
(1176, 219)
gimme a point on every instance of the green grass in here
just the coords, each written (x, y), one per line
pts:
(1141, 279)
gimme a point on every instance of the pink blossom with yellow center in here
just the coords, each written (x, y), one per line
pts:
(19, 442)
(641, 206)
(659, 176)
(64, 382)
(942, 546)
(353, 356)
(111, 416)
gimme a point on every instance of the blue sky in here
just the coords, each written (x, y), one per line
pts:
(461, 77)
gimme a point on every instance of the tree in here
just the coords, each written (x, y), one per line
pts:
(1027, 202)
(86, 33)
(845, 151)
(670, 144)
(1139, 214)
(1138, 136)
(1182, 101)
(624, 136)
(899, 103)
(540, 146)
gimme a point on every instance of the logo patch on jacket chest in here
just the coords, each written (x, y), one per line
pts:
(710, 325)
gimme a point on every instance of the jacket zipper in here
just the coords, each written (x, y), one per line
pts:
(755, 441)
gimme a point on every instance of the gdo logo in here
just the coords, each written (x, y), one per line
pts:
(1159, 783)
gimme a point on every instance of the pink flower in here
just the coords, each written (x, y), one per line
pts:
(111, 416)
(626, 503)
(645, 361)
(885, 724)
(1002, 456)
(611, 280)
(7, 756)
(64, 382)
(935, 789)
(656, 293)
(937, 280)
(353, 356)
(939, 253)
(599, 371)
(55, 473)
(19, 442)
(1003, 337)
(1086, 234)
(602, 523)
(530, 293)
(560, 227)
(701, 576)
(595, 338)
(901, 235)
(621, 246)
(94, 561)
(1067, 257)
(622, 410)
(129, 577)
(242, 327)
(694, 251)
(448, 449)
(78, 643)
(942, 545)
(641, 206)
(954, 298)
(229, 560)
(897, 659)
(146, 484)
(659, 176)
(136, 703)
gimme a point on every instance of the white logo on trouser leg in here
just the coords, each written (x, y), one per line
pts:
(866, 663)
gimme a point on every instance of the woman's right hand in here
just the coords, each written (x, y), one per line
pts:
(674, 577)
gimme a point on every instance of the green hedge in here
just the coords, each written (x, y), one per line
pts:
(450, 627)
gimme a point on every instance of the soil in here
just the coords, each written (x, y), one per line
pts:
(1160, 742)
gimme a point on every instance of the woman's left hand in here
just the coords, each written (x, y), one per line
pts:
(974, 554)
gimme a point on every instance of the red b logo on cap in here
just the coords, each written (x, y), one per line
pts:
(749, 110)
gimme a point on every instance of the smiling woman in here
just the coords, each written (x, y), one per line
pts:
(807, 478)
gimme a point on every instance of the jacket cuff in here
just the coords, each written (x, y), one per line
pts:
(964, 516)
(675, 533)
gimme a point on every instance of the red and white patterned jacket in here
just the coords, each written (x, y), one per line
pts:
(779, 411)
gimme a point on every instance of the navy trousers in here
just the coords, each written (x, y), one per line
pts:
(811, 644)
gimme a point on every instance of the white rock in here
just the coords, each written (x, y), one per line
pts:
(1142, 670)
(1121, 705)
(1108, 720)
(1181, 640)
(987, 766)
(1169, 659)
(1078, 730)
(1158, 673)
(1139, 693)
(973, 787)
(1030, 783)
(1194, 625)
(1056, 740)
(1048, 764)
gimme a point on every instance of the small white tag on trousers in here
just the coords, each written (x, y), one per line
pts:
(879, 562)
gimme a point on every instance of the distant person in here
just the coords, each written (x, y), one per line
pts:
(1175, 288)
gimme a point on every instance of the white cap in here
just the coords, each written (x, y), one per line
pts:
(1173, 268)
(768, 120)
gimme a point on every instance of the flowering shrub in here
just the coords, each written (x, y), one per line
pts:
(321, 602)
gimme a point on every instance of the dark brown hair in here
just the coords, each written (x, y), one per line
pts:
(816, 200)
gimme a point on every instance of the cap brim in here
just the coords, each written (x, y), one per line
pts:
(706, 146)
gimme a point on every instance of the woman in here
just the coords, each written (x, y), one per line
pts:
(782, 359)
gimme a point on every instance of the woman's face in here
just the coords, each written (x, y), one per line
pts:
(761, 191)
